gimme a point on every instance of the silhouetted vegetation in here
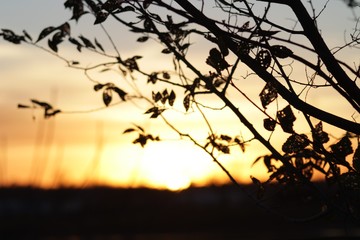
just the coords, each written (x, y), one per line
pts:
(242, 43)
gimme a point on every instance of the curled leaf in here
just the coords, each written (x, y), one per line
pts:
(286, 118)
(268, 94)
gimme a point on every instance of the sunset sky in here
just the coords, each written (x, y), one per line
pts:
(83, 147)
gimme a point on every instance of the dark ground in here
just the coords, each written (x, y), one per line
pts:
(197, 213)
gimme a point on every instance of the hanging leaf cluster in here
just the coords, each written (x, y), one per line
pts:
(108, 89)
(77, 7)
(131, 63)
(59, 33)
(164, 96)
(222, 143)
(341, 150)
(155, 111)
(175, 36)
(49, 111)
(10, 36)
(154, 77)
(295, 143)
(217, 60)
(143, 137)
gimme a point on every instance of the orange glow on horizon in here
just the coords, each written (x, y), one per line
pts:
(75, 150)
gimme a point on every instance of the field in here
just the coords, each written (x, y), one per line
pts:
(212, 212)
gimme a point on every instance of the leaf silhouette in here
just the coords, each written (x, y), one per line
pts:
(120, 92)
(295, 143)
(129, 130)
(77, 43)
(142, 39)
(269, 124)
(101, 16)
(99, 45)
(264, 58)
(107, 97)
(55, 41)
(44, 105)
(112, 5)
(23, 106)
(27, 35)
(172, 98)
(186, 102)
(65, 29)
(87, 42)
(268, 95)
(45, 32)
(356, 159)
(286, 118)
(281, 51)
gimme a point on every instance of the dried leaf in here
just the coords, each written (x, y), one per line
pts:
(342, 148)
(269, 124)
(286, 118)
(263, 58)
(319, 136)
(216, 60)
(295, 143)
(268, 95)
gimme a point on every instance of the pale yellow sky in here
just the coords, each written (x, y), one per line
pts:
(85, 148)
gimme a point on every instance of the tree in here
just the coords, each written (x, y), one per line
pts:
(242, 44)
